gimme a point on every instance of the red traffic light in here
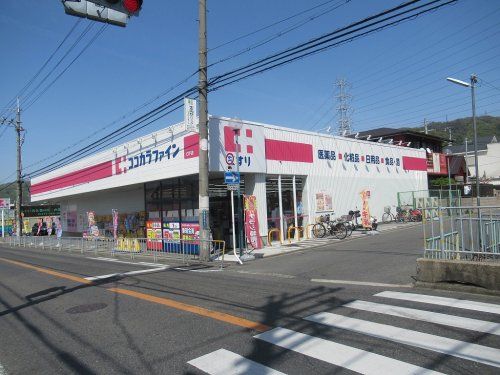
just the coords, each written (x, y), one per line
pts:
(132, 6)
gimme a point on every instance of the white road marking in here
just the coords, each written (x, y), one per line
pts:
(273, 274)
(338, 354)
(365, 283)
(222, 362)
(427, 316)
(443, 301)
(196, 270)
(130, 273)
(125, 262)
(456, 348)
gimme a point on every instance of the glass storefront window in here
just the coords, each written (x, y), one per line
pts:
(272, 193)
(153, 199)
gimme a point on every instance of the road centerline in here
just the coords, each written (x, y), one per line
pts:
(201, 311)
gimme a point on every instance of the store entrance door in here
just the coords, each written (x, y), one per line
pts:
(220, 212)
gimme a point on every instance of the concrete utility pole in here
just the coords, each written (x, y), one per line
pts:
(203, 154)
(19, 194)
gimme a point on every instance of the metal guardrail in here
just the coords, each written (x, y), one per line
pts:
(157, 249)
(462, 233)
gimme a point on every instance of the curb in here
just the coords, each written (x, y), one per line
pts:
(456, 287)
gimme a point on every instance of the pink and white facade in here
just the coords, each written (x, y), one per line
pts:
(295, 175)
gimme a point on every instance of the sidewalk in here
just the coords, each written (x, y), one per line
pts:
(304, 244)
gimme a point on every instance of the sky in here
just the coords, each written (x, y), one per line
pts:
(395, 77)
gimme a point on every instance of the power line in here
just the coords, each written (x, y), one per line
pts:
(75, 43)
(131, 125)
(94, 38)
(303, 50)
(32, 79)
(280, 34)
(270, 26)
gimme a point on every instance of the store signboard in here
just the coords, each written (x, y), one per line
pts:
(190, 114)
(251, 146)
(41, 211)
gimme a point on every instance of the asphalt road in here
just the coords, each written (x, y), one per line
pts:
(54, 321)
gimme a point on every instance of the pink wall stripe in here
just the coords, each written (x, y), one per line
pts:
(96, 172)
(414, 164)
(288, 151)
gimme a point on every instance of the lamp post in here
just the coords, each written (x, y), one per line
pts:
(473, 81)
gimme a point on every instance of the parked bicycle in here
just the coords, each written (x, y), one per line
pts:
(326, 225)
(402, 215)
(353, 223)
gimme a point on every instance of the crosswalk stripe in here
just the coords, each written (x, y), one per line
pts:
(222, 362)
(427, 316)
(473, 352)
(338, 354)
(443, 301)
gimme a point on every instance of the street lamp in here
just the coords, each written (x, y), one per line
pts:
(473, 81)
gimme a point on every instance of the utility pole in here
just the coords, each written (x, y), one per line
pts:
(425, 126)
(19, 230)
(203, 154)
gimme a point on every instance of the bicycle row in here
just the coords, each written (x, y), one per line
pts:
(341, 227)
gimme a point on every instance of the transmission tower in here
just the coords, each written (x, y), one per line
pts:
(343, 108)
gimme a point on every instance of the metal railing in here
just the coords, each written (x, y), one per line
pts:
(155, 249)
(462, 233)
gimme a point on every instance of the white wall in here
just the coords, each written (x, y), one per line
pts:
(126, 200)
(488, 162)
(345, 180)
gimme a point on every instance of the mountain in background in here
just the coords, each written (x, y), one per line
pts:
(9, 190)
(462, 128)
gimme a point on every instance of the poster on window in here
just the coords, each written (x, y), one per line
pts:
(172, 231)
(252, 222)
(153, 235)
(323, 202)
(190, 231)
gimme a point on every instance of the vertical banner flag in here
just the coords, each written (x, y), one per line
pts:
(252, 222)
(58, 227)
(365, 211)
(93, 230)
(115, 223)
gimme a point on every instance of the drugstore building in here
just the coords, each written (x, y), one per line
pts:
(295, 176)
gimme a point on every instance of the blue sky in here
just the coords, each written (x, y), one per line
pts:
(397, 76)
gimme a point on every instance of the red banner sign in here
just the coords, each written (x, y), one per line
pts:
(252, 222)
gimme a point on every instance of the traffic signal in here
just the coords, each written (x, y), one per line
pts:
(116, 12)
